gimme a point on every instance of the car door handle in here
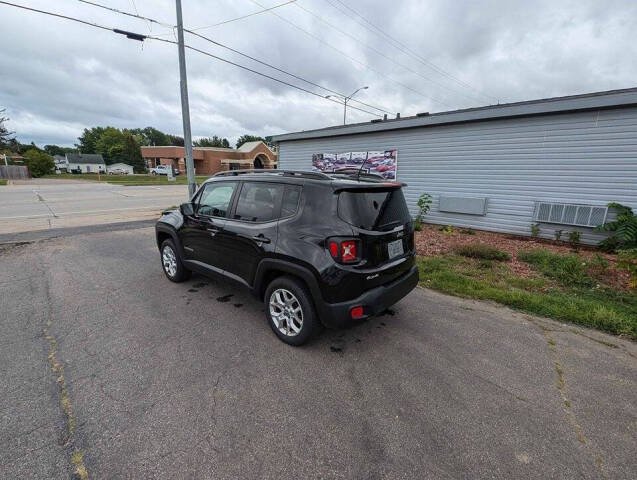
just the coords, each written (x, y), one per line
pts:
(213, 231)
(261, 239)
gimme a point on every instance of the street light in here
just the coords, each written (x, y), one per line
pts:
(346, 99)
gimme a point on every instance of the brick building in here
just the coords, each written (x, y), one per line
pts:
(210, 160)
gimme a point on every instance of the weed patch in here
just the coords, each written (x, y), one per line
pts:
(483, 252)
(570, 270)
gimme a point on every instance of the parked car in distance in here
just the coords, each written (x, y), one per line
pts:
(269, 231)
(163, 170)
(118, 171)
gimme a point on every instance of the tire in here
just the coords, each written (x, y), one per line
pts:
(288, 292)
(171, 263)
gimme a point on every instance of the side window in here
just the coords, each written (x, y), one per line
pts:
(258, 201)
(290, 203)
(214, 201)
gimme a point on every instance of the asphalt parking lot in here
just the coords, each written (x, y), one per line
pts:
(41, 204)
(163, 380)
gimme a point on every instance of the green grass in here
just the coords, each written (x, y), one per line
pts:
(568, 270)
(128, 180)
(603, 308)
(484, 252)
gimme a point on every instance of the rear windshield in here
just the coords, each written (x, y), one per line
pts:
(376, 210)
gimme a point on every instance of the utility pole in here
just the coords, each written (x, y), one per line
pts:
(185, 108)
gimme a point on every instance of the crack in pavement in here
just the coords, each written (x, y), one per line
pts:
(41, 199)
(562, 388)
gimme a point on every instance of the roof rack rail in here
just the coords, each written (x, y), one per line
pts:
(274, 171)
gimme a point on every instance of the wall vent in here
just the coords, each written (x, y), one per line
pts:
(570, 214)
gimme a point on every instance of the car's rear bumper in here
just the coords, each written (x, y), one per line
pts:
(373, 301)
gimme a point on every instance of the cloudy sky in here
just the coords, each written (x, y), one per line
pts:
(58, 77)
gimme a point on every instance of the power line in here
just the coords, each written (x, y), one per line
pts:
(192, 32)
(284, 71)
(378, 52)
(265, 75)
(122, 12)
(138, 36)
(380, 31)
(246, 16)
(57, 15)
(355, 60)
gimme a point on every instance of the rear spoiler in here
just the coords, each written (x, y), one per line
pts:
(370, 186)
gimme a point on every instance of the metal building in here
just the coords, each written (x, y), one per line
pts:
(555, 162)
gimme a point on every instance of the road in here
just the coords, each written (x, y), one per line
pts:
(39, 205)
(165, 380)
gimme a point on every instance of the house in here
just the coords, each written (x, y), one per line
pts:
(552, 164)
(122, 166)
(210, 160)
(61, 163)
(85, 162)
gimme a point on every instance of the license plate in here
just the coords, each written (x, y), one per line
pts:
(395, 248)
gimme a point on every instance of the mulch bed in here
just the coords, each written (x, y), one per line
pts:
(431, 242)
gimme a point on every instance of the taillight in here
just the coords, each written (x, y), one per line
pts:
(344, 251)
(348, 251)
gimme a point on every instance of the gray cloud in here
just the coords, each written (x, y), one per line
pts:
(58, 77)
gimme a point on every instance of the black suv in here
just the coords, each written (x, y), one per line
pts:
(316, 248)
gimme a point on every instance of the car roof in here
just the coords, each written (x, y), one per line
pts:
(334, 180)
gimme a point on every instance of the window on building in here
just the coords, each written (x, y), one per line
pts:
(215, 199)
(257, 201)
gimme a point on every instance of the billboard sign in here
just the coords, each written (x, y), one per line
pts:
(380, 162)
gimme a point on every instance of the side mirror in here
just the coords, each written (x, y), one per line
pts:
(187, 209)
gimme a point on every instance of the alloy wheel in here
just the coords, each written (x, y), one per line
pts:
(286, 312)
(169, 260)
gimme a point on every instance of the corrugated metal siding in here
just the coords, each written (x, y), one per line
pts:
(585, 157)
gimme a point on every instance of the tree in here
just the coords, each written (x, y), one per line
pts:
(248, 138)
(111, 145)
(88, 139)
(132, 153)
(39, 162)
(57, 150)
(175, 140)
(5, 135)
(213, 141)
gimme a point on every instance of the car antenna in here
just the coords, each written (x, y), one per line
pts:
(358, 174)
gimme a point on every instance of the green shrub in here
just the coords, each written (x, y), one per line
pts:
(628, 261)
(558, 235)
(483, 252)
(570, 270)
(624, 228)
(446, 229)
(39, 162)
(468, 231)
(535, 230)
(424, 204)
(574, 239)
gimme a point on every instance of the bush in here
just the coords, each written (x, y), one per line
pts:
(628, 261)
(39, 162)
(424, 204)
(574, 239)
(569, 270)
(624, 228)
(468, 231)
(535, 230)
(483, 252)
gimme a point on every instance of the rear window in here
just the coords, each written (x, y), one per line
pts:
(376, 210)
